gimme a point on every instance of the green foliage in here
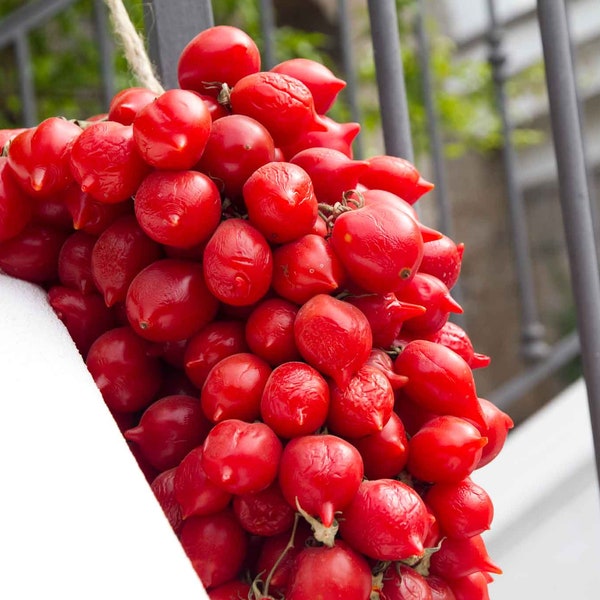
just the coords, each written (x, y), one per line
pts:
(66, 71)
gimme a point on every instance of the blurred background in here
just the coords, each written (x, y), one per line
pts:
(479, 118)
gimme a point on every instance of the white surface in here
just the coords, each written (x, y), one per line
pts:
(546, 529)
(77, 519)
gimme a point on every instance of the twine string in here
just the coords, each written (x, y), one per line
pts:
(133, 46)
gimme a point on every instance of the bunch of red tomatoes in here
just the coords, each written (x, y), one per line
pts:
(268, 321)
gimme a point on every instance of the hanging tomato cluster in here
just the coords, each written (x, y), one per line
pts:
(267, 320)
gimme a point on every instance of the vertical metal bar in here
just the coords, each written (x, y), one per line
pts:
(106, 50)
(26, 83)
(574, 197)
(267, 25)
(170, 25)
(351, 91)
(435, 140)
(533, 346)
(390, 78)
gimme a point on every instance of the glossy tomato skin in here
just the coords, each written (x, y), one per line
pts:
(178, 208)
(295, 400)
(306, 267)
(363, 406)
(85, 316)
(32, 254)
(384, 453)
(168, 429)
(386, 520)
(238, 263)
(380, 246)
(215, 341)
(217, 55)
(440, 590)
(333, 336)
(118, 255)
(237, 146)
(171, 132)
(396, 175)
(16, 207)
(241, 457)
(127, 103)
(283, 104)
(269, 331)
(216, 545)
(445, 450)
(337, 573)
(163, 488)
(443, 259)
(75, 262)
(439, 380)
(126, 374)
(195, 493)
(105, 162)
(39, 157)
(281, 201)
(234, 387)
(462, 509)
(497, 426)
(169, 300)
(470, 587)
(321, 473)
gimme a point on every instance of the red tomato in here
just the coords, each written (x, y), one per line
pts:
(401, 582)
(322, 83)
(363, 406)
(264, 513)
(336, 573)
(178, 208)
(380, 246)
(217, 55)
(462, 509)
(216, 546)
(295, 400)
(39, 157)
(443, 258)
(232, 590)
(440, 590)
(75, 262)
(16, 207)
(171, 132)
(238, 263)
(236, 147)
(461, 557)
(234, 387)
(212, 343)
(470, 587)
(126, 374)
(497, 426)
(195, 493)
(321, 473)
(168, 429)
(163, 487)
(333, 336)
(306, 267)
(118, 255)
(169, 300)
(106, 163)
(283, 104)
(445, 450)
(281, 201)
(241, 457)
(386, 520)
(269, 331)
(127, 103)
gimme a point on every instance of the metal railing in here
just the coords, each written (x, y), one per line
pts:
(171, 23)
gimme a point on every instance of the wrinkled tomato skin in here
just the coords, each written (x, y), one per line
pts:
(127, 103)
(386, 520)
(321, 473)
(163, 488)
(400, 582)
(336, 573)
(238, 263)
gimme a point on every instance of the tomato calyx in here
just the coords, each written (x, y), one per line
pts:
(323, 534)
(351, 200)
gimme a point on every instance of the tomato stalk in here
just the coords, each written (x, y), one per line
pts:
(323, 534)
